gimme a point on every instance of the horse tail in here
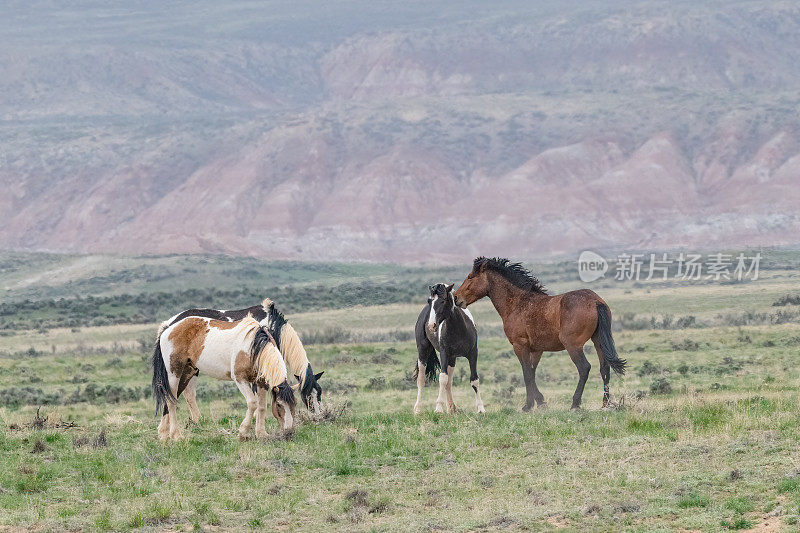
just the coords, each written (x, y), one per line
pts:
(606, 341)
(165, 324)
(432, 366)
(161, 388)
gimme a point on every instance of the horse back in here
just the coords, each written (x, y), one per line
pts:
(228, 315)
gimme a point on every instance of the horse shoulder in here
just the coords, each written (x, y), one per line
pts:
(243, 367)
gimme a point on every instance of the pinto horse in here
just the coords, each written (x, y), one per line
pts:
(444, 327)
(535, 322)
(241, 351)
(286, 338)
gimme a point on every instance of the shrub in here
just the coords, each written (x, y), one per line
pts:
(686, 345)
(660, 386)
(787, 299)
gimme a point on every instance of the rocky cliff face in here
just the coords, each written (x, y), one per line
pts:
(405, 133)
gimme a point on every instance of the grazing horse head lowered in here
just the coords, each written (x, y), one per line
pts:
(241, 351)
(286, 338)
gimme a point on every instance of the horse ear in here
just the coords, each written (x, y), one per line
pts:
(317, 376)
(450, 287)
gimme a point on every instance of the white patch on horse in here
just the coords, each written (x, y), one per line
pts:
(469, 315)
(432, 316)
(220, 351)
(478, 401)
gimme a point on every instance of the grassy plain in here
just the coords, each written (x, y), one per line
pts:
(704, 434)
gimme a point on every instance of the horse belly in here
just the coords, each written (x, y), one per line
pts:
(215, 367)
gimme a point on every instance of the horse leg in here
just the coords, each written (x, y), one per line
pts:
(421, 367)
(252, 404)
(451, 405)
(524, 357)
(261, 413)
(475, 382)
(163, 426)
(425, 354)
(583, 366)
(605, 370)
(190, 393)
(443, 378)
(175, 432)
(538, 396)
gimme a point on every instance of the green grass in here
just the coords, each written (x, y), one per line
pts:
(717, 452)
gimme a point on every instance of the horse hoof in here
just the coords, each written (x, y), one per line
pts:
(526, 408)
(243, 438)
(542, 405)
(452, 409)
(439, 409)
(481, 410)
(575, 408)
(261, 435)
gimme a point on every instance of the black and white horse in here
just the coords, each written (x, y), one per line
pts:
(285, 336)
(444, 327)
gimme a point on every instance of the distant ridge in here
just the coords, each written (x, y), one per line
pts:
(402, 133)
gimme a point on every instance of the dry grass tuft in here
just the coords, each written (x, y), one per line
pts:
(40, 423)
(97, 442)
(328, 412)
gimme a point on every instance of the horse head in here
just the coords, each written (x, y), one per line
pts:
(475, 286)
(442, 301)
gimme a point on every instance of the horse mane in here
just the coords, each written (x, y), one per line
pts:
(288, 341)
(269, 362)
(294, 352)
(266, 358)
(518, 275)
(275, 320)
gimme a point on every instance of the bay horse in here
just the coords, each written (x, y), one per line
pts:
(241, 351)
(285, 336)
(535, 322)
(444, 327)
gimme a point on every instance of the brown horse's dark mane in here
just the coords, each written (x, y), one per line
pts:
(518, 275)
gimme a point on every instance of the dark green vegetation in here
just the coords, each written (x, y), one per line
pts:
(702, 435)
(44, 291)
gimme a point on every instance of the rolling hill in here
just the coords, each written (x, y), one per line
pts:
(398, 132)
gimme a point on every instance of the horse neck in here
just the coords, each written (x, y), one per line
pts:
(505, 296)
